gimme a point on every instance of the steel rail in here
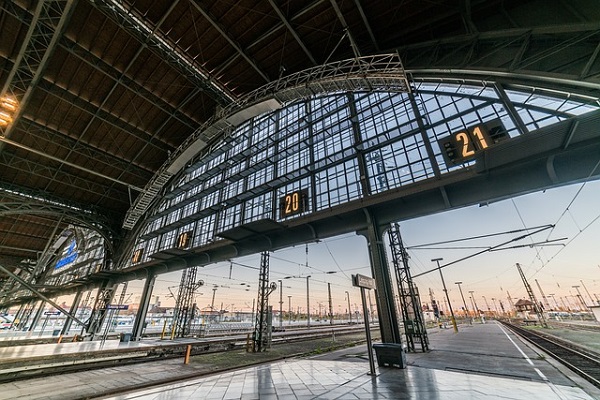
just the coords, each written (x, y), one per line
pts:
(13, 371)
(581, 361)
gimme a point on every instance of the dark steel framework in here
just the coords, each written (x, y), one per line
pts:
(185, 307)
(408, 293)
(262, 327)
(536, 305)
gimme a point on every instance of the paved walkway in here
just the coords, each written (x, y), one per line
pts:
(480, 362)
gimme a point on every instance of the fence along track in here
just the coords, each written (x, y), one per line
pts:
(581, 361)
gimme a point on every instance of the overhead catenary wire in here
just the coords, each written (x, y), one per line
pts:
(541, 229)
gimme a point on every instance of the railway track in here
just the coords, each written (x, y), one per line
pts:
(68, 363)
(575, 327)
(581, 361)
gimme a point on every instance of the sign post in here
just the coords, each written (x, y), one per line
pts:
(365, 282)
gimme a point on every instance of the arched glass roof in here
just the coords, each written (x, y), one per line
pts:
(320, 153)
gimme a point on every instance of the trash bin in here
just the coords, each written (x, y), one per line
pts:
(125, 337)
(390, 355)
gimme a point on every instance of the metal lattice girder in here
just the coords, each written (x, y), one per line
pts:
(261, 328)
(32, 202)
(101, 115)
(410, 303)
(551, 56)
(102, 66)
(380, 72)
(105, 295)
(46, 171)
(89, 151)
(536, 306)
(49, 19)
(141, 29)
(185, 307)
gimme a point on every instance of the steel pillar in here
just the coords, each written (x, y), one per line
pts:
(36, 317)
(19, 315)
(73, 311)
(184, 309)
(105, 295)
(386, 307)
(410, 303)
(140, 318)
(536, 305)
(261, 332)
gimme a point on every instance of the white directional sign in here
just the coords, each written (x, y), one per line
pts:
(363, 281)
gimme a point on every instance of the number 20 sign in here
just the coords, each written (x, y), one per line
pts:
(293, 203)
(463, 145)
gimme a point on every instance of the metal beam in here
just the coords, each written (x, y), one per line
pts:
(72, 216)
(40, 295)
(266, 35)
(40, 42)
(45, 170)
(340, 16)
(292, 31)
(366, 22)
(64, 162)
(86, 150)
(206, 14)
(102, 115)
(165, 49)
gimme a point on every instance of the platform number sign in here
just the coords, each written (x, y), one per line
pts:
(137, 256)
(293, 203)
(462, 146)
(183, 240)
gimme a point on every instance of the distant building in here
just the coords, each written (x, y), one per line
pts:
(525, 309)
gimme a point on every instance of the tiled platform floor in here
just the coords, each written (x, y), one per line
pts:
(481, 362)
(317, 379)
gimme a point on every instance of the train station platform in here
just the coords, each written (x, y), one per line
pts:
(482, 361)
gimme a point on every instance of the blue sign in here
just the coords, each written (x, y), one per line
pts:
(69, 256)
(117, 306)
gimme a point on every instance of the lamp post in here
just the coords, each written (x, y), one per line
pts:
(476, 309)
(495, 306)
(554, 300)
(349, 312)
(290, 308)
(307, 303)
(212, 303)
(580, 298)
(463, 299)
(487, 305)
(280, 302)
(437, 260)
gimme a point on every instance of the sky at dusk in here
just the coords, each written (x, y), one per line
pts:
(558, 265)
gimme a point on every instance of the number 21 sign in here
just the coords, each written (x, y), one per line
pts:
(463, 145)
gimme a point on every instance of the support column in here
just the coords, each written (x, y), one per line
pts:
(36, 317)
(105, 295)
(72, 311)
(19, 315)
(386, 306)
(261, 337)
(140, 318)
(410, 302)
